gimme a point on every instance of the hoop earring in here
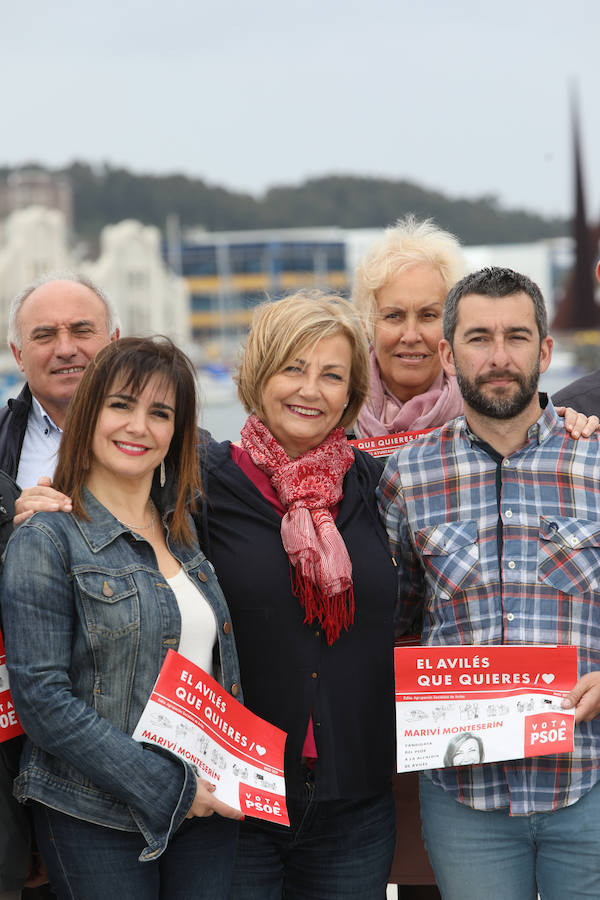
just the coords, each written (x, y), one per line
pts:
(163, 474)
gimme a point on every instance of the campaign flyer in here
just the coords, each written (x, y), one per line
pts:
(10, 726)
(190, 714)
(385, 444)
(467, 705)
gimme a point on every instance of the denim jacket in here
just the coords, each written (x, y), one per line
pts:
(88, 619)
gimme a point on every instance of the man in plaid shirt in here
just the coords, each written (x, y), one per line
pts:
(494, 521)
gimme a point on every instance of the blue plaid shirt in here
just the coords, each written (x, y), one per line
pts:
(503, 551)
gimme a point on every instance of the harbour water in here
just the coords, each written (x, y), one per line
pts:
(223, 420)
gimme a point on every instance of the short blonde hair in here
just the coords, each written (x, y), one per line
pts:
(407, 243)
(284, 328)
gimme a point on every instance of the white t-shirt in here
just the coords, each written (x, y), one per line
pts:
(198, 624)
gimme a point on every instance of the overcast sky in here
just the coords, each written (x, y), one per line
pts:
(465, 97)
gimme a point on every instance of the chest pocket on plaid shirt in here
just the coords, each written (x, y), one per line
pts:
(450, 553)
(569, 554)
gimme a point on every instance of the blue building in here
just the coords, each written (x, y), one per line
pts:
(228, 273)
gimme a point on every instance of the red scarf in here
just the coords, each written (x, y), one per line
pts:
(307, 487)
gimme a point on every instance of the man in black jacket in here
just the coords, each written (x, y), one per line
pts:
(584, 393)
(56, 326)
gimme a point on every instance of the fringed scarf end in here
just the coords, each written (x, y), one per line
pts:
(334, 612)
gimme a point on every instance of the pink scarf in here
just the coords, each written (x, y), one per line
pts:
(307, 487)
(382, 413)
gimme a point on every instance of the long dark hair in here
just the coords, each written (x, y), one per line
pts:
(128, 364)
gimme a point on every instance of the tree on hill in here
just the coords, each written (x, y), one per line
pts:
(353, 202)
(104, 195)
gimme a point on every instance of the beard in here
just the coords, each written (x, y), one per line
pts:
(498, 406)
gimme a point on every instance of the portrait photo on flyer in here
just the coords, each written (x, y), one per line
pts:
(468, 705)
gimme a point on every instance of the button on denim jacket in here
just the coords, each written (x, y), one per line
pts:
(88, 619)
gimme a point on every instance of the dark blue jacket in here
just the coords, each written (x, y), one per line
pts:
(583, 394)
(88, 622)
(13, 425)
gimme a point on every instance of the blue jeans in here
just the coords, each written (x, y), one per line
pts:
(334, 850)
(92, 862)
(477, 853)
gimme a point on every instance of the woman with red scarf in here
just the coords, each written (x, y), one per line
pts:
(292, 529)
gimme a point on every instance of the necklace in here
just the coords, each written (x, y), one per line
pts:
(144, 527)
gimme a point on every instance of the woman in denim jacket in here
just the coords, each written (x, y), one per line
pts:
(91, 602)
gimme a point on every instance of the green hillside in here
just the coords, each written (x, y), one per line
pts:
(104, 195)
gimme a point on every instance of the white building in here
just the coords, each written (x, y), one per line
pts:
(534, 260)
(130, 268)
(538, 260)
(32, 241)
(149, 297)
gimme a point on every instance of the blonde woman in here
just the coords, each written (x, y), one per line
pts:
(291, 527)
(399, 290)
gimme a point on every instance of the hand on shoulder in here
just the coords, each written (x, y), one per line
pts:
(40, 498)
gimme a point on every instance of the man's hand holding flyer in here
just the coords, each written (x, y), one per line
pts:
(466, 705)
(191, 715)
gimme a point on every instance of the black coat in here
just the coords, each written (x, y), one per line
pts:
(288, 670)
(13, 425)
(583, 394)
(14, 820)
